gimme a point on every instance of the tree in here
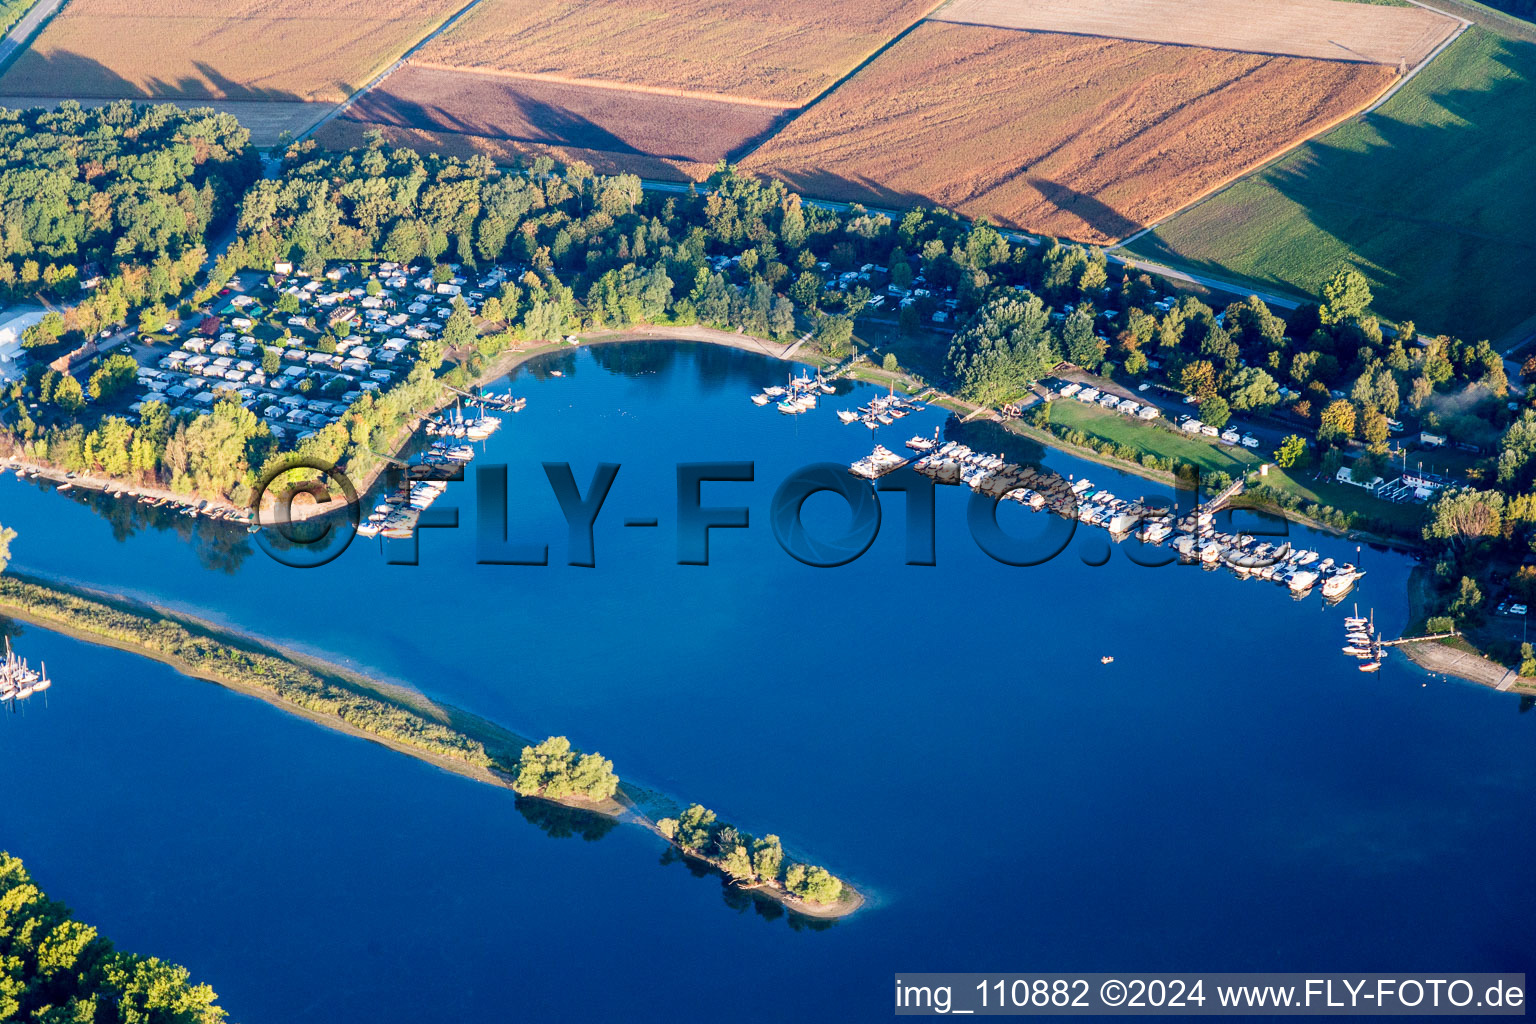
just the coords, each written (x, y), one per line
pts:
(1005, 347)
(67, 394)
(115, 373)
(6, 536)
(1337, 421)
(1375, 431)
(781, 317)
(271, 361)
(889, 363)
(1252, 388)
(1078, 340)
(1346, 296)
(834, 334)
(694, 828)
(1468, 596)
(767, 858)
(1292, 452)
(553, 770)
(1214, 411)
(1465, 515)
(459, 331)
(153, 318)
(288, 303)
(813, 884)
(1199, 378)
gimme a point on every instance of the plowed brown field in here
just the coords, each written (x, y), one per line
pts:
(620, 123)
(1080, 137)
(233, 49)
(1327, 29)
(784, 51)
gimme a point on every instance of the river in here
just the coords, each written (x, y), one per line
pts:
(1228, 794)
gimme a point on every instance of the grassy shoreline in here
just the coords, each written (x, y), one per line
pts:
(331, 696)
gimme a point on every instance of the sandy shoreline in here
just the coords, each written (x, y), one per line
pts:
(1444, 659)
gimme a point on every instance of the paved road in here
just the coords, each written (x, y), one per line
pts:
(22, 31)
(396, 66)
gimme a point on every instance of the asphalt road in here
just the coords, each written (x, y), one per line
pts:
(17, 37)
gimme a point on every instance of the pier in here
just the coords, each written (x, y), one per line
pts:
(18, 680)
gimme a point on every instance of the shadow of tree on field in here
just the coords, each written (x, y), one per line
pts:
(1433, 213)
(618, 122)
(68, 75)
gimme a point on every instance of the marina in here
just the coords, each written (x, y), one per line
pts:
(18, 680)
(1193, 535)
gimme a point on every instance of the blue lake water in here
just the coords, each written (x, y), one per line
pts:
(1229, 794)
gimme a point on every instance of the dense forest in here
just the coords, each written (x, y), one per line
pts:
(118, 186)
(57, 970)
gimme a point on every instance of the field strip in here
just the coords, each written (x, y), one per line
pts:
(396, 66)
(1323, 29)
(591, 83)
(1271, 161)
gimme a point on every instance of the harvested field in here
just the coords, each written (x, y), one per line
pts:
(265, 121)
(342, 133)
(784, 52)
(1090, 139)
(568, 117)
(1430, 197)
(1325, 29)
(303, 50)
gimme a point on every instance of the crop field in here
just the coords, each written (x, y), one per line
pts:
(1430, 196)
(343, 133)
(1074, 136)
(237, 49)
(783, 52)
(1325, 29)
(621, 123)
(265, 121)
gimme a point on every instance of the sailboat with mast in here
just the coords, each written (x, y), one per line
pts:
(18, 680)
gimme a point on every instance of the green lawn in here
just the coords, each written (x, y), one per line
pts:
(1153, 438)
(1430, 196)
(1158, 439)
(1407, 519)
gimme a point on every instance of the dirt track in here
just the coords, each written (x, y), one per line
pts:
(1326, 29)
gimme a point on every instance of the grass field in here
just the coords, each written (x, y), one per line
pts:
(1326, 29)
(779, 51)
(1430, 196)
(1157, 438)
(319, 50)
(1073, 136)
(1164, 441)
(570, 117)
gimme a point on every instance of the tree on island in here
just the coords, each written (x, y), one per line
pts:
(813, 884)
(555, 771)
(747, 860)
(6, 536)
